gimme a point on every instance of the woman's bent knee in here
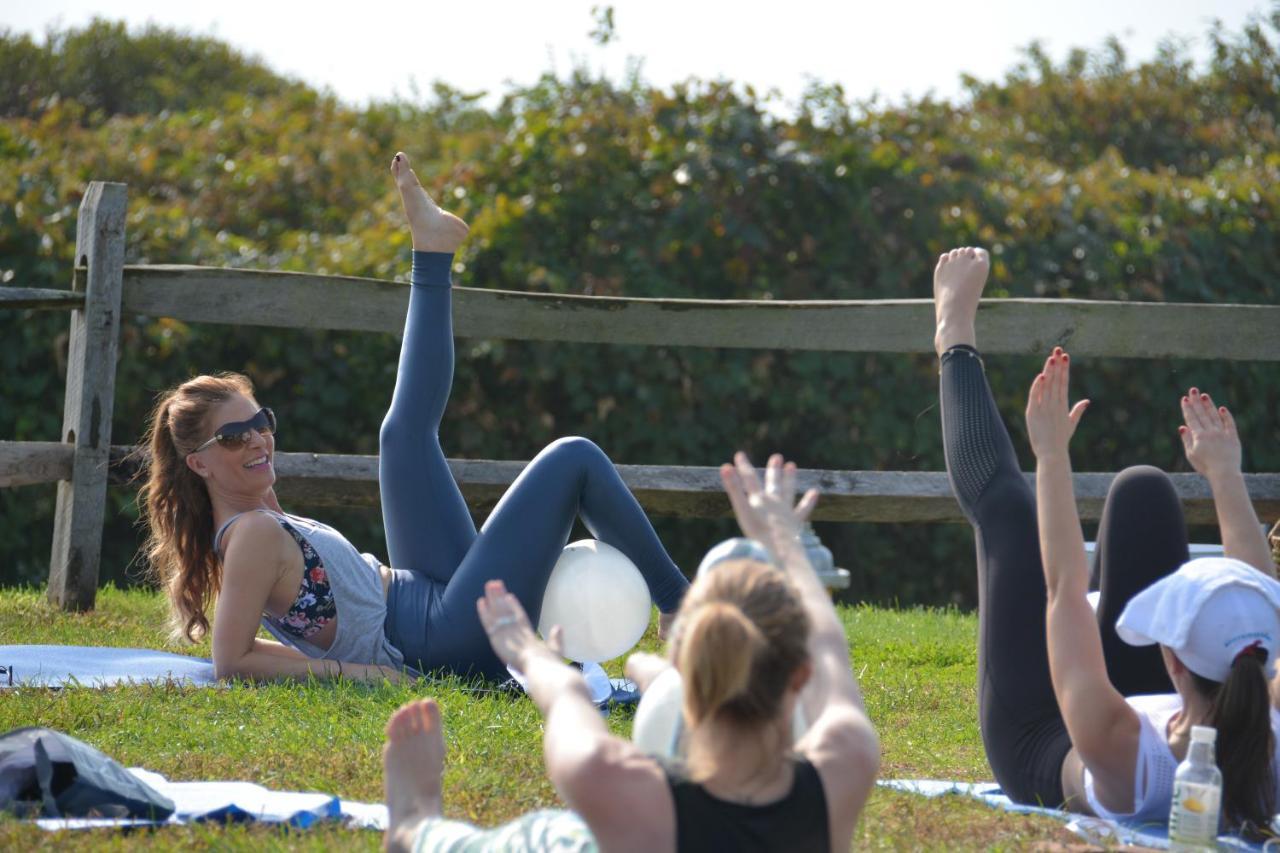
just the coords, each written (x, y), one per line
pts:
(1141, 481)
(574, 451)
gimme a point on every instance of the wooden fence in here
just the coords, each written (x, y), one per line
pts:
(83, 462)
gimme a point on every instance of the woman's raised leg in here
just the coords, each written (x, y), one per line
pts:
(1142, 538)
(524, 536)
(1022, 728)
(428, 525)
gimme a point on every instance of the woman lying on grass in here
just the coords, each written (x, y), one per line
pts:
(218, 532)
(750, 642)
(1065, 722)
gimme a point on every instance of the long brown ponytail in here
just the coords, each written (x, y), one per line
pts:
(175, 503)
(1241, 712)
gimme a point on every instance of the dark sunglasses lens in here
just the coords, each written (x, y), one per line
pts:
(235, 440)
(237, 435)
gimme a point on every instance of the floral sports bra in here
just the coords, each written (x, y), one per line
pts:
(314, 608)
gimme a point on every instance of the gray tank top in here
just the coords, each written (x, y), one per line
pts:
(356, 583)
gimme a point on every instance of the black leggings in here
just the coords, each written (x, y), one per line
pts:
(1141, 538)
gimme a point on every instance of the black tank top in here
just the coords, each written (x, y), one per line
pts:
(798, 822)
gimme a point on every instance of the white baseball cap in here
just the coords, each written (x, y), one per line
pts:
(1208, 612)
(738, 548)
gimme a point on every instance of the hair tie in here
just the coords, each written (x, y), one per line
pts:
(1254, 649)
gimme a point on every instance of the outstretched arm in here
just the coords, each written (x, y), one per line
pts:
(1213, 448)
(768, 513)
(841, 742)
(558, 690)
(1102, 726)
(604, 778)
(256, 554)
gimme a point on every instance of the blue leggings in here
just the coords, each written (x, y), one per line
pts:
(440, 563)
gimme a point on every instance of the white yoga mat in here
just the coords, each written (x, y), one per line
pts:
(237, 802)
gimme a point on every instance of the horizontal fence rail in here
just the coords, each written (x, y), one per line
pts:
(324, 480)
(103, 290)
(26, 463)
(106, 289)
(1010, 326)
(41, 297)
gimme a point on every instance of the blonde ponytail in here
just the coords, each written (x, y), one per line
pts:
(741, 636)
(718, 650)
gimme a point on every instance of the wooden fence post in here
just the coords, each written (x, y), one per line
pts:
(91, 381)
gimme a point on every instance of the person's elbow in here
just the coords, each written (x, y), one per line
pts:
(856, 740)
(866, 753)
(581, 771)
(227, 672)
(1066, 583)
(570, 770)
(232, 668)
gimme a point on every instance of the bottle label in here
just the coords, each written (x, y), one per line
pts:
(1194, 816)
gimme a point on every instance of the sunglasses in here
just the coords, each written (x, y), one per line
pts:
(235, 436)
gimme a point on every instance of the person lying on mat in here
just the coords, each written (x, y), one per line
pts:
(1098, 716)
(217, 532)
(747, 639)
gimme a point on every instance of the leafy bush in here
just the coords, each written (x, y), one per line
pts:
(105, 68)
(1093, 179)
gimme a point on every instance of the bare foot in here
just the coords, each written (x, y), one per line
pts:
(412, 767)
(957, 288)
(433, 229)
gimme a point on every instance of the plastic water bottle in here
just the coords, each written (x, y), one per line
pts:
(1197, 795)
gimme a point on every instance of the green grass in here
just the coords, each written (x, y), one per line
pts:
(917, 669)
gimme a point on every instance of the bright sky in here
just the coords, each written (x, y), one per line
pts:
(372, 48)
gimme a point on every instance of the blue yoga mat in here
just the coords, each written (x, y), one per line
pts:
(96, 666)
(105, 666)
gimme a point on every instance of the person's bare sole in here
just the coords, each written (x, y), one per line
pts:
(433, 229)
(412, 770)
(957, 289)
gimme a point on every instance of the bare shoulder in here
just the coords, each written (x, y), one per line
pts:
(844, 748)
(623, 795)
(253, 541)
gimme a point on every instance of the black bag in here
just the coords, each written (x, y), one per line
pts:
(48, 774)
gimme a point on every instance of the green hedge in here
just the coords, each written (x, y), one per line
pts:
(1091, 179)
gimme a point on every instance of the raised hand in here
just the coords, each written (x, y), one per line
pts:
(1050, 423)
(767, 513)
(1213, 448)
(1209, 436)
(506, 623)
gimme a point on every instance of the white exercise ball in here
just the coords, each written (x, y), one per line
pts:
(659, 727)
(659, 719)
(598, 598)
